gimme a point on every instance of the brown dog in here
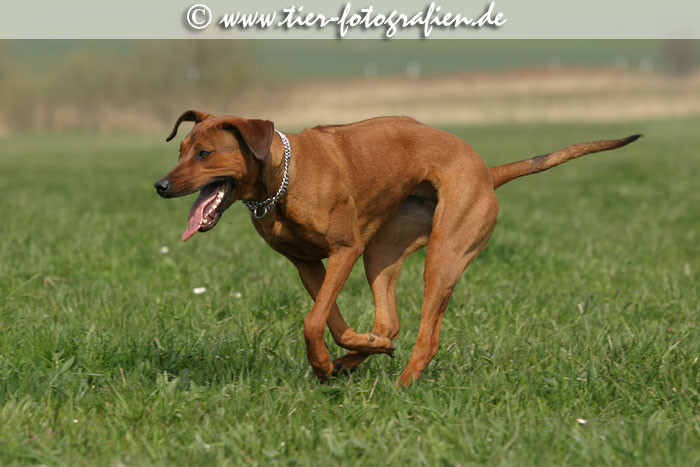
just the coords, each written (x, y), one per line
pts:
(380, 188)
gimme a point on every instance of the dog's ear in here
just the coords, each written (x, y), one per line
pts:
(188, 116)
(257, 134)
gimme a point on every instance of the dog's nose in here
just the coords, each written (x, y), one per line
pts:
(162, 186)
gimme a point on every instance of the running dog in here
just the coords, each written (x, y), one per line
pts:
(380, 188)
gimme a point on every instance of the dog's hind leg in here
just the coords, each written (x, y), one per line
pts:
(404, 233)
(464, 220)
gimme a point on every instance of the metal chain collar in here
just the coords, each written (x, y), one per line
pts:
(261, 208)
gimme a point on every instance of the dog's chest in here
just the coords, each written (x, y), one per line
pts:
(293, 240)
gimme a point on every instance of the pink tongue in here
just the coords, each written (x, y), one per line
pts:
(206, 196)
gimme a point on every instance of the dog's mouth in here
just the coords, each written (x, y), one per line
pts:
(207, 209)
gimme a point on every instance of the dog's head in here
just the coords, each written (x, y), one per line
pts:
(221, 158)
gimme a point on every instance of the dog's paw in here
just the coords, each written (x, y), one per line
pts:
(371, 343)
(339, 368)
(348, 363)
(325, 372)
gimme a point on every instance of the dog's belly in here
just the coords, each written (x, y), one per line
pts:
(310, 241)
(416, 203)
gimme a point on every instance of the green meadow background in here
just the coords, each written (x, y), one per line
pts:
(573, 339)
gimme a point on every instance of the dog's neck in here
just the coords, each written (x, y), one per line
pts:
(272, 170)
(270, 174)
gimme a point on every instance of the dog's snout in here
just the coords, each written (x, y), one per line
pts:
(162, 186)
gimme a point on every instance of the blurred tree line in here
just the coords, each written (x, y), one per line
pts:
(99, 84)
(95, 85)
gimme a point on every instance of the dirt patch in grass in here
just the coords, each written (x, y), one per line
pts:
(545, 95)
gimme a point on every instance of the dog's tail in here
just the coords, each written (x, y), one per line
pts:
(507, 172)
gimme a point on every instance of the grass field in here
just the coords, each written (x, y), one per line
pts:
(583, 306)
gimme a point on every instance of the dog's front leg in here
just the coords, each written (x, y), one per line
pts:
(312, 275)
(340, 265)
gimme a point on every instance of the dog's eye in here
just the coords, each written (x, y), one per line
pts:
(201, 155)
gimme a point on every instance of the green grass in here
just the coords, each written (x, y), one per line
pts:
(584, 305)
